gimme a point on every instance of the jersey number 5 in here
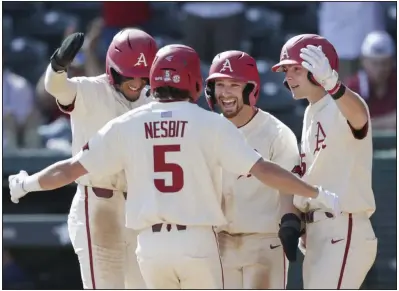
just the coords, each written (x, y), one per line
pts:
(300, 169)
(161, 166)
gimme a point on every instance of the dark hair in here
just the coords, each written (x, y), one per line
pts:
(168, 92)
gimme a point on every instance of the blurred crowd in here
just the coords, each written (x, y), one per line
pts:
(364, 34)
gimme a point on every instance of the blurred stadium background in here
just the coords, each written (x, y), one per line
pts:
(36, 250)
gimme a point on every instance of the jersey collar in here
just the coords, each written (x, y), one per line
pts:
(319, 105)
(251, 123)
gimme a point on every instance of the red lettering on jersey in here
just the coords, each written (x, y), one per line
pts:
(148, 130)
(156, 129)
(320, 137)
(172, 128)
(300, 169)
(183, 123)
(164, 129)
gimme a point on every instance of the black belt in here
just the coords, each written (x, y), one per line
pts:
(308, 217)
(157, 227)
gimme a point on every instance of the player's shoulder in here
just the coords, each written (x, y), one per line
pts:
(213, 118)
(100, 79)
(137, 112)
(273, 126)
(203, 116)
(128, 120)
(97, 85)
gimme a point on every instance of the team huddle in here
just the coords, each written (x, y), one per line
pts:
(172, 196)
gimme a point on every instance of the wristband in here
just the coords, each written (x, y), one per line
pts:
(338, 91)
(31, 184)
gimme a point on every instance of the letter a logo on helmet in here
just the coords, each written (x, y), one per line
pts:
(141, 60)
(227, 65)
(284, 54)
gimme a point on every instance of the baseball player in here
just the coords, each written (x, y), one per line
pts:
(173, 153)
(96, 220)
(251, 250)
(336, 152)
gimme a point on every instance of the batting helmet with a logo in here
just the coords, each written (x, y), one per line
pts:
(290, 53)
(130, 54)
(236, 65)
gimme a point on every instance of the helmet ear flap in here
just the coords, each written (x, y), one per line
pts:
(210, 94)
(115, 76)
(246, 92)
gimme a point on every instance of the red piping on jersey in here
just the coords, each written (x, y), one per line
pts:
(253, 116)
(348, 243)
(91, 264)
(220, 258)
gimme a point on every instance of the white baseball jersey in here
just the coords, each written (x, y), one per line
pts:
(249, 205)
(333, 158)
(96, 103)
(173, 155)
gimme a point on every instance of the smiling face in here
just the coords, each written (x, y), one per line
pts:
(229, 97)
(131, 88)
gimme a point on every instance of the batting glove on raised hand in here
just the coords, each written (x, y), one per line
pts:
(329, 200)
(64, 55)
(316, 62)
(15, 183)
(289, 233)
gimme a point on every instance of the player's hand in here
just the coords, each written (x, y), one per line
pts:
(64, 55)
(289, 233)
(329, 200)
(15, 183)
(316, 62)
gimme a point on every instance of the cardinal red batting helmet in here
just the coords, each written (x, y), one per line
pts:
(292, 49)
(130, 54)
(235, 65)
(177, 66)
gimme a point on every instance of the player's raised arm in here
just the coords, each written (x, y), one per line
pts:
(351, 105)
(56, 81)
(238, 157)
(101, 156)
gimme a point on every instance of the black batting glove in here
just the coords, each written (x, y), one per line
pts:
(289, 233)
(64, 55)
